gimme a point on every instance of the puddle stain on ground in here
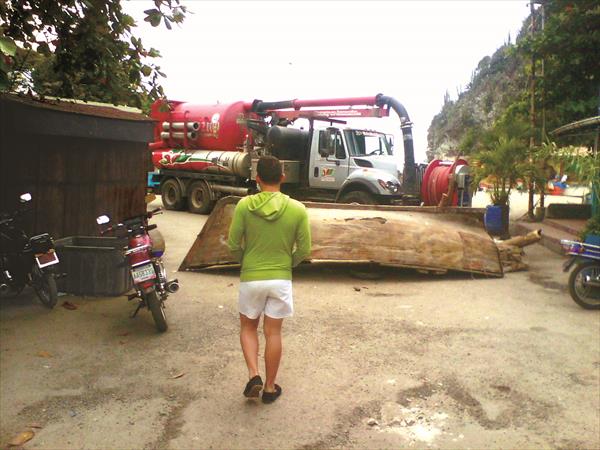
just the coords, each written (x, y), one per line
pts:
(546, 282)
(345, 422)
(504, 408)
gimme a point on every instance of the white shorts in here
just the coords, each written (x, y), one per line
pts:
(273, 297)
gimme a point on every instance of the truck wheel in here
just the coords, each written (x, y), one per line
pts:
(199, 201)
(172, 197)
(360, 197)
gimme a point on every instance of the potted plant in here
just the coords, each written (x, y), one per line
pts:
(586, 168)
(591, 233)
(498, 160)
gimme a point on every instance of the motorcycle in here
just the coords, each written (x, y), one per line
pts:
(584, 280)
(143, 256)
(26, 260)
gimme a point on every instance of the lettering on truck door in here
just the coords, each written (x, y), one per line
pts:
(330, 172)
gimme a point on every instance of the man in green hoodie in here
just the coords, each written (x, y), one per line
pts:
(269, 235)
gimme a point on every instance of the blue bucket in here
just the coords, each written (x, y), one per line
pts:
(593, 239)
(495, 221)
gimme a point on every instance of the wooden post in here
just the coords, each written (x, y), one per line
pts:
(530, 184)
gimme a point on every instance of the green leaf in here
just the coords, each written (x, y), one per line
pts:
(146, 70)
(8, 46)
(44, 49)
(155, 19)
(4, 82)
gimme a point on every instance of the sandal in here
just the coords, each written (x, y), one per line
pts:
(270, 397)
(253, 387)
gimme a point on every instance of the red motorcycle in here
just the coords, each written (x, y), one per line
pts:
(147, 270)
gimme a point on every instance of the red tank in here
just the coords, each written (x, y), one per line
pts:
(193, 126)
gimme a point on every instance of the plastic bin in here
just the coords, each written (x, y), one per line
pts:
(94, 266)
(496, 220)
(592, 239)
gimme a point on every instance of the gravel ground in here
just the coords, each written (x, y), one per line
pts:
(408, 360)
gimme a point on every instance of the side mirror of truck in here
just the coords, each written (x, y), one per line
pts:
(327, 142)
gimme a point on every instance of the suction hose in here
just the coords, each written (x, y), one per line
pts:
(409, 182)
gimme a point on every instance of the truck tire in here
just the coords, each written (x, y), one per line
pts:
(199, 201)
(360, 197)
(172, 197)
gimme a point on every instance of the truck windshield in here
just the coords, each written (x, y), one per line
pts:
(365, 143)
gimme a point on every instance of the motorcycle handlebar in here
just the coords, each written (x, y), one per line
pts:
(108, 230)
(149, 214)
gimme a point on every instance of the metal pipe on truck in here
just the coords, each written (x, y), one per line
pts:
(178, 135)
(178, 126)
(229, 189)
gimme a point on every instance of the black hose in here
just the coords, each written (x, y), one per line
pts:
(260, 106)
(409, 175)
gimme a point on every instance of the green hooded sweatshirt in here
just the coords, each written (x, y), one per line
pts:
(269, 235)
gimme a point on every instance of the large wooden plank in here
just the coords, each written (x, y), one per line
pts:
(429, 239)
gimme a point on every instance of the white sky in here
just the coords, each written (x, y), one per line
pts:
(279, 50)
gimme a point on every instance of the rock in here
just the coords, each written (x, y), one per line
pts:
(372, 422)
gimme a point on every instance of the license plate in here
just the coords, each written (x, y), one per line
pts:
(143, 273)
(46, 259)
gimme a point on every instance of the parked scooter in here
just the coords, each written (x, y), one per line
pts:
(584, 281)
(26, 260)
(147, 271)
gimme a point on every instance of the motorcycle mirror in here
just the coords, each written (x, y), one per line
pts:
(101, 220)
(25, 197)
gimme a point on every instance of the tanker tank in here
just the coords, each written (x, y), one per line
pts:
(212, 127)
(287, 143)
(210, 161)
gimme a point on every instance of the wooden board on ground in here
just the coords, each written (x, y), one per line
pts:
(422, 238)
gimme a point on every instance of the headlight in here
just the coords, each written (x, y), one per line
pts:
(389, 186)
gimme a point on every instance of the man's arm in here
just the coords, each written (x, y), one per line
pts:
(236, 232)
(302, 240)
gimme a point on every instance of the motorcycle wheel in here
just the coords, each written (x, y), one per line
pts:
(157, 308)
(14, 291)
(586, 296)
(44, 285)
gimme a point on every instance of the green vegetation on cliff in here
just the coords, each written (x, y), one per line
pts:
(569, 45)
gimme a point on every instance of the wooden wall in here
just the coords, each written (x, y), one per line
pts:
(72, 179)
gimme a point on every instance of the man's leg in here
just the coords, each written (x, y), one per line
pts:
(249, 341)
(272, 329)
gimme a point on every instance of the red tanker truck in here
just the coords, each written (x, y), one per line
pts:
(204, 152)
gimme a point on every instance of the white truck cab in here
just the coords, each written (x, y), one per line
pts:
(359, 165)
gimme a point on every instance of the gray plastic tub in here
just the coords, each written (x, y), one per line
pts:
(94, 266)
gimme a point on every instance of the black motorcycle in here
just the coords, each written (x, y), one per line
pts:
(26, 260)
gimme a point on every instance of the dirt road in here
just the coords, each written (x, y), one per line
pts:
(405, 361)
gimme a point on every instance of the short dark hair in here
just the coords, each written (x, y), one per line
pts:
(268, 169)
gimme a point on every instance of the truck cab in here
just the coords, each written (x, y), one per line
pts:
(354, 165)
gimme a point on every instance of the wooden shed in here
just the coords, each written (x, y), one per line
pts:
(77, 161)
